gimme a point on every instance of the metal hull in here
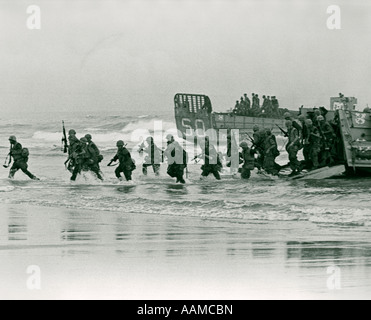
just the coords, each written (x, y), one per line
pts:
(195, 120)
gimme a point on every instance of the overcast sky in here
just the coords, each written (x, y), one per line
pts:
(122, 55)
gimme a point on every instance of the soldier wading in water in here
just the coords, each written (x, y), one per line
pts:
(126, 165)
(177, 159)
(20, 157)
(212, 161)
(153, 158)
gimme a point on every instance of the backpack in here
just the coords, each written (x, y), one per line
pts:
(25, 153)
(133, 165)
(276, 152)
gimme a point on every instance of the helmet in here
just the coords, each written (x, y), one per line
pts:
(83, 140)
(256, 128)
(169, 137)
(149, 139)
(268, 131)
(72, 132)
(309, 122)
(12, 139)
(287, 115)
(320, 118)
(120, 143)
(88, 136)
(302, 117)
(244, 144)
(317, 112)
(367, 110)
(288, 123)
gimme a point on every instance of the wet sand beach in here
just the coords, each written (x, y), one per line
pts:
(89, 254)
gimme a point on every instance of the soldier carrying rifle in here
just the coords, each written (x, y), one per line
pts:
(154, 156)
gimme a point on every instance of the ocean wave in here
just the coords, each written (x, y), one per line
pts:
(241, 211)
(133, 133)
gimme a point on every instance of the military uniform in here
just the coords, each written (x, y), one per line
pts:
(314, 143)
(304, 143)
(177, 160)
(73, 144)
(271, 153)
(212, 162)
(20, 160)
(247, 103)
(328, 141)
(153, 159)
(259, 138)
(275, 107)
(293, 149)
(79, 158)
(93, 159)
(126, 165)
(247, 156)
(265, 107)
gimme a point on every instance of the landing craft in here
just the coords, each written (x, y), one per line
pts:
(195, 119)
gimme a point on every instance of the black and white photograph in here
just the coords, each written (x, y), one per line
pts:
(185, 150)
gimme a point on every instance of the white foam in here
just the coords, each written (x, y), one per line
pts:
(133, 132)
(7, 189)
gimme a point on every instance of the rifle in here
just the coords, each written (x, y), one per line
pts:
(66, 162)
(64, 139)
(110, 164)
(196, 157)
(141, 148)
(285, 133)
(254, 144)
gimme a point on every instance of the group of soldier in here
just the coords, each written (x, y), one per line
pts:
(84, 155)
(318, 139)
(252, 108)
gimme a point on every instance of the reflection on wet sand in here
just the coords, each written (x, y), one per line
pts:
(338, 252)
(233, 258)
(17, 226)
